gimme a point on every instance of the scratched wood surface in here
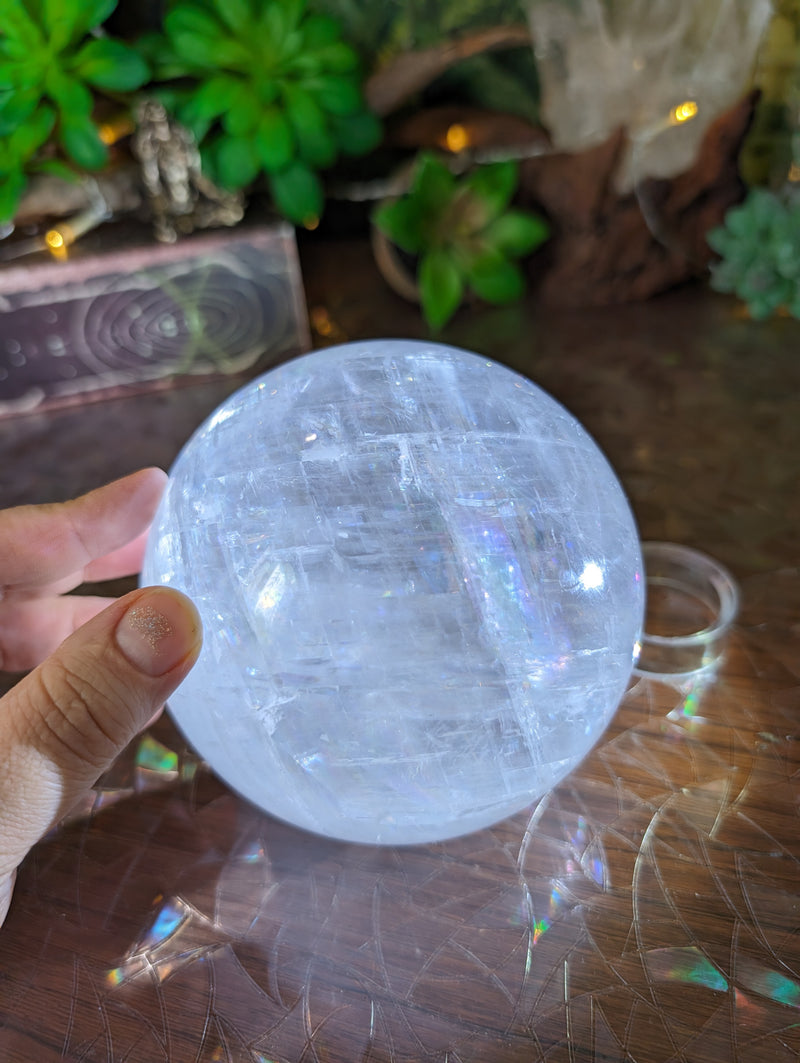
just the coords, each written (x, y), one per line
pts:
(646, 910)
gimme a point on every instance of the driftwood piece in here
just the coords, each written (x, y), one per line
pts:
(609, 247)
(53, 197)
(489, 132)
(409, 73)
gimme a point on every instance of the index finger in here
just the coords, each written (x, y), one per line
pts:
(44, 545)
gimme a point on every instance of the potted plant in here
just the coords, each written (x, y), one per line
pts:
(759, 249)
(462, 233)
(54, 66)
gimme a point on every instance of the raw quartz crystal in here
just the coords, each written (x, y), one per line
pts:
(606, 64)
(420, 584)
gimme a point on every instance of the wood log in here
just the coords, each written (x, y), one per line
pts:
(609, 247)
(410, 72)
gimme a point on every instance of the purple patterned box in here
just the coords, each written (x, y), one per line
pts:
(135, 314)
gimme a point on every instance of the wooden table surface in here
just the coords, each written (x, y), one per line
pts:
(647, 909)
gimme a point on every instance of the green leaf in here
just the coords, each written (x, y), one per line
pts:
(297, 193)
(188, 19)
(16, 108)
(320, 30)
(279, 19)
(358, 133)
(30, 136)
(401, 220)
(761, 286)
(58, 24)
(337, 58)
(492, 277)
(299, 66)
(273, 140)
(202, 42)
(314, 141)
(760, 309)
(242, 115)
(237, 164)
(81, 141)
(266, 88)
(272, 23)
(237, 14)
(17, 52)
(156, 50)
(441, 287)
(760, 212)
(72, 97)
(88, 14)
(787, 250)
(293, 12)
(494, 184)
(14, 76)
(111, 65)
(18, 25)
(11, 188)
(302, 109)
(212, 99)
(291, 48)
(517, 233)
(199, 53)
(765, 207)
(432, 184)
(756, 281)
(337, 94)
(233, 55)
(317, 148)
(738, 222)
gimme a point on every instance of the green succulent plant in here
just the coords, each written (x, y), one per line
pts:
(464, 234)
(50, 65)
(266, 88)
(759, 248)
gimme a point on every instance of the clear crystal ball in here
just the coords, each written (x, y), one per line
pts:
(421, 588)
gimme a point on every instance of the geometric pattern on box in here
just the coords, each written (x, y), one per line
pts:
(140, 316)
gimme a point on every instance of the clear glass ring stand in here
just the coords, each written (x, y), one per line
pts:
(691, 602)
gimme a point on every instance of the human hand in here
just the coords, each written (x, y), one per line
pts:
(102, 668)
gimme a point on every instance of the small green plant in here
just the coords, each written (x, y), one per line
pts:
(265, 88)
(759, 248)
(50, 66)
(464, 234)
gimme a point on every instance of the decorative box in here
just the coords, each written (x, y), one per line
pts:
(124, 313)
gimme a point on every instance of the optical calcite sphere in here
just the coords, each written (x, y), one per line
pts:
(420, 584)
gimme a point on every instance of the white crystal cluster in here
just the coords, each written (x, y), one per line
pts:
(607, 64)
(421, 589)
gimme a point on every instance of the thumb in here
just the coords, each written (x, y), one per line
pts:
(64, 724)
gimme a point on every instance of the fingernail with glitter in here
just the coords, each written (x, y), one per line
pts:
(160, 630)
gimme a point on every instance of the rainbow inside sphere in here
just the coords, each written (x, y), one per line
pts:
(421, 588)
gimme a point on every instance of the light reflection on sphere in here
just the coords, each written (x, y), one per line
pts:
(420, 584)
